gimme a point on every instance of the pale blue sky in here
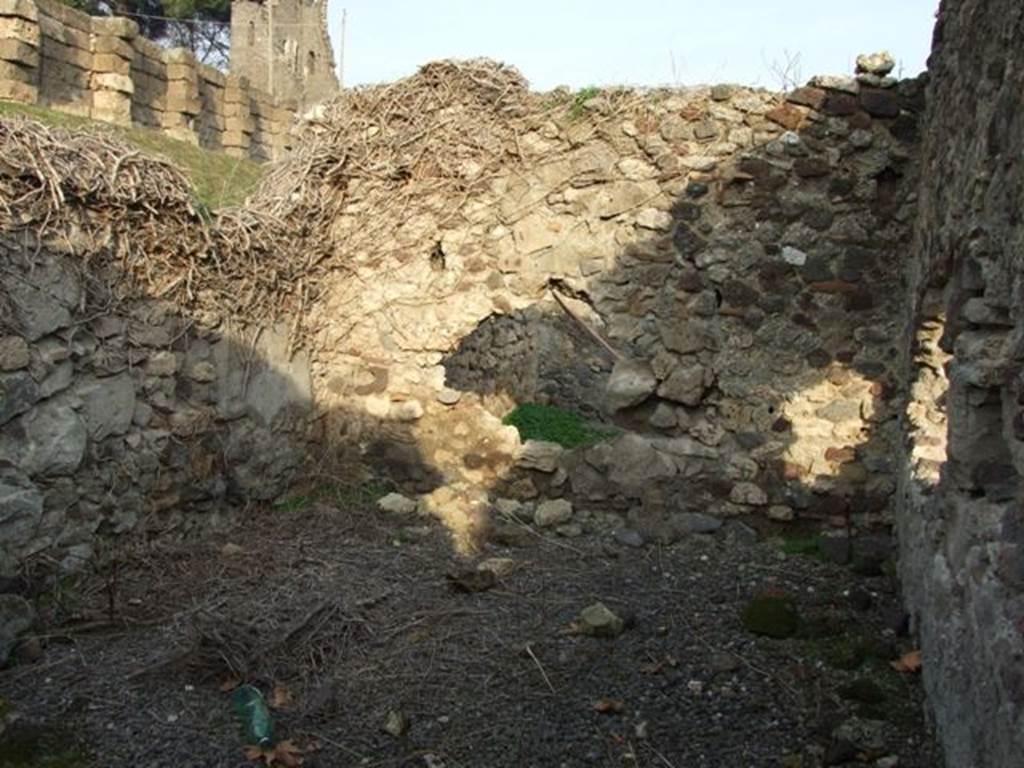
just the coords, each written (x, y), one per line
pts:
(637, 42)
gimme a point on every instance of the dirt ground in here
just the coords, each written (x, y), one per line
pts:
(351, 616)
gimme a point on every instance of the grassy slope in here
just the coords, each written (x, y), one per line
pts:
(219, 180)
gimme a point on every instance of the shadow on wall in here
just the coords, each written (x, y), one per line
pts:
(757, 326)
(123, 413)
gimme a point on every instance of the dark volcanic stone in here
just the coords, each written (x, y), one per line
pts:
(880, 102)
(687, 241)
(696, 189)
(840, 104)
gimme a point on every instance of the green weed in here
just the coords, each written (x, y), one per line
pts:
(801, 545)
(580, 99)
(554, 425)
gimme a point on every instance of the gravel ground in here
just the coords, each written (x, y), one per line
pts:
(352, 616)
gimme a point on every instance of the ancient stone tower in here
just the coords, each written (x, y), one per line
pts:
(282, 47)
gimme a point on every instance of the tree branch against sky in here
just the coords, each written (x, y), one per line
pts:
(202, 26)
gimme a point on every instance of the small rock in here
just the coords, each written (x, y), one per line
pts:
(629, 384)
(231, 550)
(540, 455)
(552, 512)
(696, 189)
(18, 393)
(652, 218)
(836, 83)
(664, 417)
(570, 530)
(203, 371)
(449, 396)
(862, 733)
(880, 64)
(512, 508)
(599, 621)
(721, 92)
(396, 724)
(407, 410)
(771, 616)
(162, 364)
(628, 537)
(397, 503)
(793, 256)
(499, 566)
(684, 385)
(13, 353)
(890, 761)
(523, 488)
(749, 494)
(781, 512)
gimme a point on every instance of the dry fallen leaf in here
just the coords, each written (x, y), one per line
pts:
(909, 662)
(284, 753)
(281, 697)
(609, 706)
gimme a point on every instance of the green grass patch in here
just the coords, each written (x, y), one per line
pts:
(218, 180)
(801, 545)
(554, 425)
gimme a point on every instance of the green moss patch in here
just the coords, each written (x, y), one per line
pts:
(554, 425)
(801, 545)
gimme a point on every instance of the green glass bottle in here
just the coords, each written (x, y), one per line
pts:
(252, 709)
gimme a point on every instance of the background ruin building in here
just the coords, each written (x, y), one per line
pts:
(282, 47)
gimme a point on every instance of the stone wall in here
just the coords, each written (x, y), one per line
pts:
(961, 516)
(118, 412)
(102, 68)
(742, 253)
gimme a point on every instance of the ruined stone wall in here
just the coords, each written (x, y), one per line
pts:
(102, 68)
(300, 72)
(120, 413)
(961, 517)
(742, 252)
